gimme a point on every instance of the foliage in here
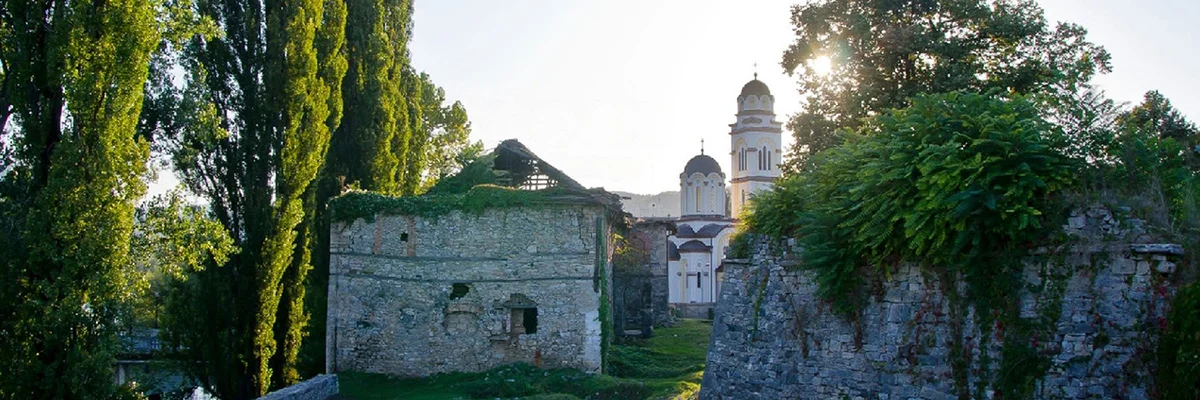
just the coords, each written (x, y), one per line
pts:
(1179, 347)
(371, 146)
(629, 256)
(71, 78)
(366, 205)
(397, 136)
(250, 132)
(950, 181)
(671, 352)
(884, 53)
(173, 239)
(604, 283)
(447, 131)
(669, 365)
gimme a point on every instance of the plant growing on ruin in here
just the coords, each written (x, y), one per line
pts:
(1179, 347)
(952, 181)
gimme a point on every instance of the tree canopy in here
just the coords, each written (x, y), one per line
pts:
(884, 52)
(73, 166)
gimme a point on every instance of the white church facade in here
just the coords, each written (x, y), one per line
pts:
(702, 232)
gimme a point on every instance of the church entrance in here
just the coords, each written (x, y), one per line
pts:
(695, 293)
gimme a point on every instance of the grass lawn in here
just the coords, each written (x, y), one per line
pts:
(667, 366)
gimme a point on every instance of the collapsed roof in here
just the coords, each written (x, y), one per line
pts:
(526, 170)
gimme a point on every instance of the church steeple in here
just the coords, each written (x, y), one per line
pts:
(755, 138)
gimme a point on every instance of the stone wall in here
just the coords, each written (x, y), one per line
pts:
(410, 296)
(1112, 297)
(640, 294)
(320, 387)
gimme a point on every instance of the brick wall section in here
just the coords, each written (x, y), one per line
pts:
(320, 387)
(1113, 305)
(391, 281)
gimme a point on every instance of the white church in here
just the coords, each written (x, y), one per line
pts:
(708, 206)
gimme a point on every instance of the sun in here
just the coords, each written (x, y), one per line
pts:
(822, 65)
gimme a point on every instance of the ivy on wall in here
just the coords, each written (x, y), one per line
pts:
(957, 183)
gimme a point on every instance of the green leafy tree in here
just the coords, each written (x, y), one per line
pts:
(398, 137)
(1155, 114)
(173, 240)
(71, 73)
(883, 53)
(447, 130)
(250, 132)
(370, 147)
(1154, 165)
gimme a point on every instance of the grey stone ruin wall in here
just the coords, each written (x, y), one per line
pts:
(1112, 295)
(656, 235)
(391, 280)
(640, 296)
(320, 387)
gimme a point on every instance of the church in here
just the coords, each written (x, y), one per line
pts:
(709, 206)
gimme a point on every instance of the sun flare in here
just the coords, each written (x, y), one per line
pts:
(822, 65)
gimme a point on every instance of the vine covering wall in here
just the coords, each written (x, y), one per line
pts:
(1089, 316)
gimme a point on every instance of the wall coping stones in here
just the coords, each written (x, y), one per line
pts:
(320, 387)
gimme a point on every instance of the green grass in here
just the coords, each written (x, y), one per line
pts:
(668, 366)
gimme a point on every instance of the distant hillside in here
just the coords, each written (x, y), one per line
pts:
(665, 204)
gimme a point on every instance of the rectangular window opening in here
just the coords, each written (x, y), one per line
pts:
(524, 320)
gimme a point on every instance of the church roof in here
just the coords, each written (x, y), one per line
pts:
(708, 231)
(755, 87)
(694, 246)
(702, 164)
(672, 252)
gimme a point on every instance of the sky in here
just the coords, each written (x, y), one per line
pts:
(619, 93)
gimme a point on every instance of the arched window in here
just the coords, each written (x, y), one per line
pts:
(768, 161)
(697, 198)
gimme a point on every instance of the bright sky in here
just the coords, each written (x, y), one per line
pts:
(619, 93)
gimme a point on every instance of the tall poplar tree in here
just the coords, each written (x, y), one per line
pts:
(72, 74)
(253, 129)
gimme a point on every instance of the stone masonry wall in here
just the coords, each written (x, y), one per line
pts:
(320, 387)
(1113, 298)
(392, 281)
(641, 294)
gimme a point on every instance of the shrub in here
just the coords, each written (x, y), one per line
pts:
(952, 181)
(1179, 347)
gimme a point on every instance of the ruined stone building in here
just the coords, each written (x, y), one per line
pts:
(516, 272)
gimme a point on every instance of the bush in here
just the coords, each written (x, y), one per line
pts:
(953, 180)
(1179, 347)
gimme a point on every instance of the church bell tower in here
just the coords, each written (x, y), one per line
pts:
(756, 144)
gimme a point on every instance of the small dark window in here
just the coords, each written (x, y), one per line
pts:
(530, 320)
(524, 320)
(697, 280)
(458, 290)
(404, 237)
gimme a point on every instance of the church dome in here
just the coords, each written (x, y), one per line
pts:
(703, 164)
(755, 87)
